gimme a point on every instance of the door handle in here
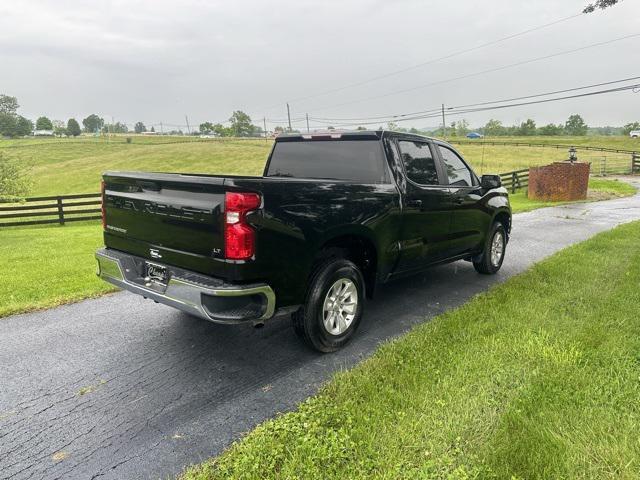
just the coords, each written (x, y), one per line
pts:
(414, 203)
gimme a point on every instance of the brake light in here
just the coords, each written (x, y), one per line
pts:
(239, 236)
(102, 208)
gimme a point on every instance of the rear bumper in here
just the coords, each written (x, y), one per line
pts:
(206, 297)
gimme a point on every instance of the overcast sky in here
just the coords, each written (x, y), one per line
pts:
(159, 60)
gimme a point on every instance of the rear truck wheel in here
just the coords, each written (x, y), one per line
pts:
(333, 307)
(491, 258)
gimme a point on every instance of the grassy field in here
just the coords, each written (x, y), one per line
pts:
(65, 166)
(536, 379)
(49, 266)
(499, 159)
(68, 166)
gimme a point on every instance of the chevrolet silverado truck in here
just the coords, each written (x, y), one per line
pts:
(333, 217)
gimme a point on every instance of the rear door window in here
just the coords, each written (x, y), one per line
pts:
(419, 162)
(360, 161)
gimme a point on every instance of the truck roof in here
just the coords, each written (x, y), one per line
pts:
(350, 134)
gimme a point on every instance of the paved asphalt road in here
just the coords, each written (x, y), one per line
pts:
(120, 387)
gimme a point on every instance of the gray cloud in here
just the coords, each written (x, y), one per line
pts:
(160, 60)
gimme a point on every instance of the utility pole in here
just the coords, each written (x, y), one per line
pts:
(289, 116)
(188, 128)
(264, 122)
(307, 123)
(444, 124)
(161, 128)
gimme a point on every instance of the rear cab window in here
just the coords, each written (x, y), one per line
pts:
(419, 164)
(359, 161)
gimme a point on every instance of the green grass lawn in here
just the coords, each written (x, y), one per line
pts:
(47, 266)
(599, 189)
(65, 166)
(538, 378)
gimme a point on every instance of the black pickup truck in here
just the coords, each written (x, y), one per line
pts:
(334, 216)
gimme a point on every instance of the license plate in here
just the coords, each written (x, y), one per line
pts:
(156, 272)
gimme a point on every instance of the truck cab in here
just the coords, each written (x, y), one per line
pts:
(354, 209)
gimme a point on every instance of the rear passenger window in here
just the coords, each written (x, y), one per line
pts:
(418, 162)
(457, 172)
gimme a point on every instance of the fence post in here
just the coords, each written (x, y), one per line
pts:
(60, 211)
(635, 163)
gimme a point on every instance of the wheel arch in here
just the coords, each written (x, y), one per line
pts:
(357, 245)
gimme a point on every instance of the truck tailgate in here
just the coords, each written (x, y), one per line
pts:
(171, 218)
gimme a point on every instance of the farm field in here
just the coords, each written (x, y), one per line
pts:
(67, 166)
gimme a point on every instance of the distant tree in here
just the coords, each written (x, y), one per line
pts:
(333, 128)
(414, 130)
(8, 104)
(601, 4)
(494, 128)
(152, 129)
(361, 128)
(7, 125)
(527, 127)
(278, 130)
(139, 127)
(206, 127)
(551, 130)
(73, 127)
(24, 126)
(241, 124)
(115, 128)
(93, 123)
(14, 178)
(462, 127)
(576, 125)
(626, 130)
(43, 123)
(60, 131)
(222, 131)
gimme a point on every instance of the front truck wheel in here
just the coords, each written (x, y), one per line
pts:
(333, 306)
(491, 258)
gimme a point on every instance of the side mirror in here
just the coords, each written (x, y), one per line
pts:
(490, 181)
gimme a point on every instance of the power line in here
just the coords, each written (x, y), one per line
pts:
(437, 109)
(428, 62)
(498, 107)
(482, 72)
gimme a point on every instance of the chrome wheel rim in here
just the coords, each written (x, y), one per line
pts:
(497, 248)
(340, 306)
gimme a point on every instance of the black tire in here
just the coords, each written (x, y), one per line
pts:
(483, 263)
(308, 321)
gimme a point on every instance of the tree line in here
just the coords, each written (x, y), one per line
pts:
(240, 125)
(574, 126)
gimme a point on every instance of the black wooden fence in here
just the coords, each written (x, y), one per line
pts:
(635, 164)
(512, 181)
(57, 209)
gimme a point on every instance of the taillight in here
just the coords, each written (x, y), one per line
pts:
(239, 236)
(102, 208)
